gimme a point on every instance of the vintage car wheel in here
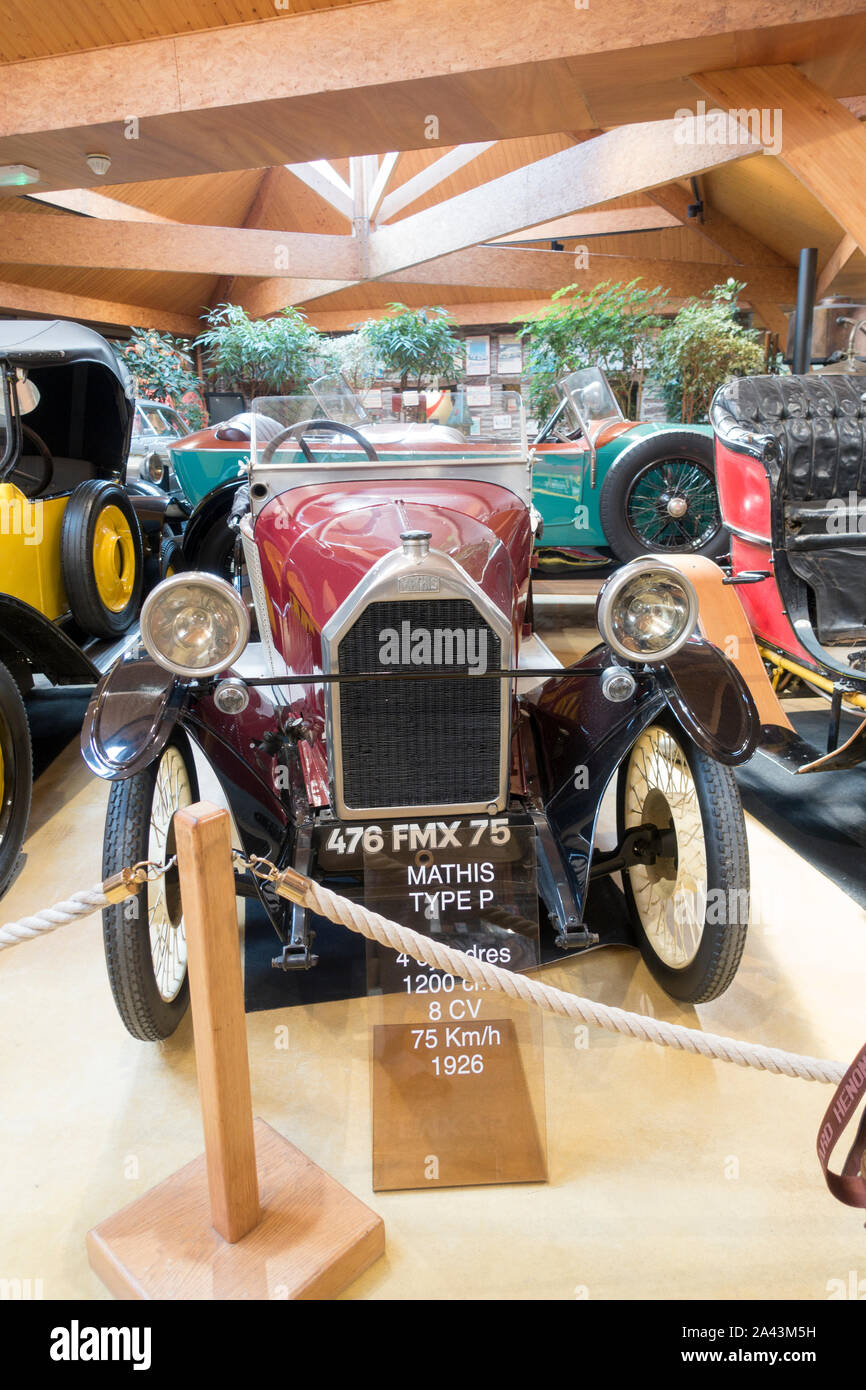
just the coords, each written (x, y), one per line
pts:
(102, 558)
(170, 557)
(145, 945)
(16, 775)
(660, 495)
(690, 910)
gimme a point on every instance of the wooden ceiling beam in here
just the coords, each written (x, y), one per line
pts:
(630, 159)
(265, 297)
(498, 268)
(720, 231)
(814, 136)
(427, 179)
(772, 318)
(174, 247)
(386, 176)
(836, 261)
(87, 203)
(608, 222)
(366, 78)
(31, 299)
(323, 179)
(505, 311)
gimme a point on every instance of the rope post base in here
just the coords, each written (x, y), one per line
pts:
(252, 1217)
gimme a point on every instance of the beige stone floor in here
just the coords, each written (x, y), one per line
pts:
(670, 1176)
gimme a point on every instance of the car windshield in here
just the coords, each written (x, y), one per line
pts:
(588, 399)
(153, 419)
(408, 422)
(408, 434)
(339, 401)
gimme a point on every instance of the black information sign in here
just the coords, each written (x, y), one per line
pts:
(457, 1068)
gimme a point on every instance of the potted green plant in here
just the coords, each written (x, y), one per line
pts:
(260, 357)
(702, 346)
(421, 345)
(354, 357)
(611, 325)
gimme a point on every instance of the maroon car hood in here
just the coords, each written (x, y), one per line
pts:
(317, 543)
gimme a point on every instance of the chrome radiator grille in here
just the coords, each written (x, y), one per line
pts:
(421, 742)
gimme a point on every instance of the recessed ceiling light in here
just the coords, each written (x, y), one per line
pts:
(14, 175)
(99, 163)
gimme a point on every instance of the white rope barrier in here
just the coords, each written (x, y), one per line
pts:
(60, 915)
(742, 1054)
(434, 953)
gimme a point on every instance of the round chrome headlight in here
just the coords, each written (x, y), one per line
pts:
(195, 624)
(154, 468)
(647, 611)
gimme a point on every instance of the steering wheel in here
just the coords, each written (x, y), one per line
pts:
(316, 426)
(29, 485)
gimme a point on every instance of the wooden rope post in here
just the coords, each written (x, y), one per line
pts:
(204, 860)
(208, 1231)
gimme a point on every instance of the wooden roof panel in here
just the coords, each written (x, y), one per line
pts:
(42, 31)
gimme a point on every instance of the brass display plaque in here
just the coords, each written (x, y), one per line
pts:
(457, 1069)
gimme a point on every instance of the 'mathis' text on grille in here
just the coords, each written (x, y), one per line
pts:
(438, 646)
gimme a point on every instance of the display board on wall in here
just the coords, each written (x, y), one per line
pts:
(510, 355)
(477, 356)
(477, 395)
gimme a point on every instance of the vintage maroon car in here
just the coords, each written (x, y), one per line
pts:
(791, 475)
(392, 685)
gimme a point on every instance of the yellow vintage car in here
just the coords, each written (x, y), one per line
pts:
(72, 557)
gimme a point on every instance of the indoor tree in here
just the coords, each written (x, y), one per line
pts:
(700, 348)
(421, 344)
(353, 355)
(611, 325)
(161, 367)
(261, 357)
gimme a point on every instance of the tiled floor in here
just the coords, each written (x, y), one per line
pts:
(670, 1176)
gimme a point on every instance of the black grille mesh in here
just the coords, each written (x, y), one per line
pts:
(418, 742)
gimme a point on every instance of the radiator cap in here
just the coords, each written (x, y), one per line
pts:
(416, 543)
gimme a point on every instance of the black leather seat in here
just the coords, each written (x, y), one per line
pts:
(811, 431)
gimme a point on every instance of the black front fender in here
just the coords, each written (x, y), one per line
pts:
(579, 738)
(711, 701)
(130, 718)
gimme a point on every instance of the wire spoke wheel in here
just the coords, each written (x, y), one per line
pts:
(164, 915)
(659, 495)
(690, 907)
(669, 894)
(145, 940)
(672, 505)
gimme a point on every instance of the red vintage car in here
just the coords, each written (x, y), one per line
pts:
(386, 686)
(791, 476)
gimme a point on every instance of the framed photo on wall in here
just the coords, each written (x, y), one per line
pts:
(510, 355)
(477, 356)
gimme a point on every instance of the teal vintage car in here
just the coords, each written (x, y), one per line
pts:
(607, 489)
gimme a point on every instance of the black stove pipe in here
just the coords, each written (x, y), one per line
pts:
(805, 306)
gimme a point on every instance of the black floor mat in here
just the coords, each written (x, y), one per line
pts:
(55, 717)
(821, 815)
